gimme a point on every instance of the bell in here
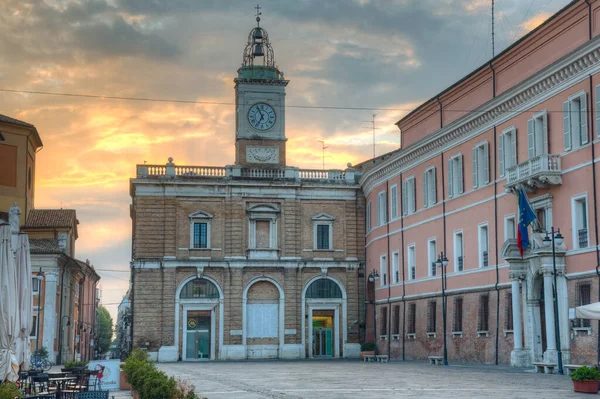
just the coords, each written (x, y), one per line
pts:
(258, 50)
(257, 34)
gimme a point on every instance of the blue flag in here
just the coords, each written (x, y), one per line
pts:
(526, 216)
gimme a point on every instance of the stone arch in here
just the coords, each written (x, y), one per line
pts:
(192, 278)
(319, 277)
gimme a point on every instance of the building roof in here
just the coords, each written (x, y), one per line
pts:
(13, 121)
(51, 218)
(45, 246)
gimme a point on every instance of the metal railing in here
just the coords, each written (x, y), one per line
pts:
(459, 261)
(545, 163)
(485, 259)
(583, 238)
(433, 268)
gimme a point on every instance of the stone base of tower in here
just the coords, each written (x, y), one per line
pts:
(260, 153)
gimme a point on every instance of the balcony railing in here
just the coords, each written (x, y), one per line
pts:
(459, 260)
(485, 258)
(540, 171)
(583, 238)
(170, 170)
(433, 268)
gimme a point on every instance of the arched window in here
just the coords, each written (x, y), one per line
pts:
(199, 288)
(323, 288)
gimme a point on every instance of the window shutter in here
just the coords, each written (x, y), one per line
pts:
(384, 207)
(425, 190)
(501, 153)
(486, 162)
(545, 131)
(531, 138)
(460, 174)
(567, 124)
(413, 195)
(433, 184)
(584, 119)
(475, 174)
(450, 178)
(513, 139)
(405, 197)
(598, 111)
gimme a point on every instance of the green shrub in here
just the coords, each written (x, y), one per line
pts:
(42, 353)
(585, 373)
(367, 346)
(72, 365)
(8, 390)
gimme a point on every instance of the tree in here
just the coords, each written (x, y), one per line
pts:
(104, 330)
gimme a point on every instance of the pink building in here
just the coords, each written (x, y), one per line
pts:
(528, 117)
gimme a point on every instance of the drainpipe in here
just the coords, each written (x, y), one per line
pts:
(60, 314)
(444, 272)
(403, 279)
(496, 226)
(390, 277)
(589, 18)
(591, 124)
(132, 303)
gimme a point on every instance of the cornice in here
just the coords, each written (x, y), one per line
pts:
(533, 90)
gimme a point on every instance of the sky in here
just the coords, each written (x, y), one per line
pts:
(390, 55)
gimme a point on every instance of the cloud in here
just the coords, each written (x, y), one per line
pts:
(535, 21)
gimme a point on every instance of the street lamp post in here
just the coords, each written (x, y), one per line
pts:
(557, 239)
(442, 262)
(374, 276)
(40, 277)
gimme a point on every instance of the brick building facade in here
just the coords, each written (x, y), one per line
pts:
(252, 260)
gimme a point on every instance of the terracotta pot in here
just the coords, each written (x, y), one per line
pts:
(586, 386)
(124, 385)
(366, 353)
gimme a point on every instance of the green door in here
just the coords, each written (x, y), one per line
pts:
(198, 338)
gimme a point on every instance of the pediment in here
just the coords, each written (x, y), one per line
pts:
(323, 217)
(263, 208)
(200, 215)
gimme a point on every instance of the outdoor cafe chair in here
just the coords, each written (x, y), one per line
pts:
(40, 383)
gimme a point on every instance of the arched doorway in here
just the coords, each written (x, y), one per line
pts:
(263, 319)
(323, 301)
(198, 312)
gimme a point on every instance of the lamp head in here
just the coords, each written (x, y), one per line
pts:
(546, 241)
(558, 238)
(444, 260)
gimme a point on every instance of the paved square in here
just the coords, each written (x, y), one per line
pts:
(354, 379)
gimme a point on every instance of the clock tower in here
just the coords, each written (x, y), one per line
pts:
(260, 105)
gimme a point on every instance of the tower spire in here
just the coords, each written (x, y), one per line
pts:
(258, 14)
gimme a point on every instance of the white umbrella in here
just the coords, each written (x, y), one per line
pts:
(591, 311)
(24, 296)
(9, 367)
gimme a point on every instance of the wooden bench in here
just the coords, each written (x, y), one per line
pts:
(436, 360)
(547, 368)
(368, 358)
(570, 367)
(382, 358)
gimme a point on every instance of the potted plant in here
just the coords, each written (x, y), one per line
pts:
(367, 349)
(8, 390)
(585, 379)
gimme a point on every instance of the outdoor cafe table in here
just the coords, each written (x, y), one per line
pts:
(60, 383)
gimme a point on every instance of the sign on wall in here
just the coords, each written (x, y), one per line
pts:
(110, 371)
(263, 320)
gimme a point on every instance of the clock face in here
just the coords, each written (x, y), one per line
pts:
(261, 116)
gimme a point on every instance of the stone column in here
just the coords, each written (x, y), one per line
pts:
(50, 322)
(563, 315)
(550, 355)
(518, 356)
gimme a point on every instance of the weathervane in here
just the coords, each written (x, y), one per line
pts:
(258, 14)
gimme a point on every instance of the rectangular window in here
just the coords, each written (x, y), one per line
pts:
(412, 318)
(508, 314)
(509, 227)
(429, 189)
(507, 148)
(383, 270)
(455, 176)
(537, 135)
(384, 319)
(200, 235)
(575, 121)
(323, 236)
(394, 202)
(35, 285)
(263, 320)
(396, 324)
(459, 249)
(368, 217)
(34, 327)
(431, 313)
(483, 246)
(432, 257)
(396, 267)
(580, 222)
(484, 314)
(408, 196)
(584, 297)
(381, 209)
(412, 263)
(457, 322)
(481, 165)
(263, 234)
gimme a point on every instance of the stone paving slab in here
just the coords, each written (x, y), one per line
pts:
(352, 379)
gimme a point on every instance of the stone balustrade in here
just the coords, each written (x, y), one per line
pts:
(540, 171)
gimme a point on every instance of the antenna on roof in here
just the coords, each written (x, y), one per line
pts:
(323, 148)
(373, 128)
